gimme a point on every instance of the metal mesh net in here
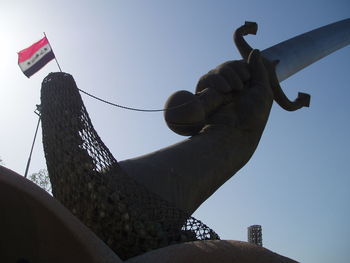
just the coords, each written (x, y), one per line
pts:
(87, 179)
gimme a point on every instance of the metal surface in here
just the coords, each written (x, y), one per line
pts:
(299, 52)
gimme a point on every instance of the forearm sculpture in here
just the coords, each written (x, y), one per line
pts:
(232, 103)
(145, 203)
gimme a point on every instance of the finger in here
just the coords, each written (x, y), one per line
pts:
(258, 71)
(215, 81)
(231, 77)
(226, 115)
(241, 68)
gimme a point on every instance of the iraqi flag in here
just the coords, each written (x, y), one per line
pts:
(33, 58)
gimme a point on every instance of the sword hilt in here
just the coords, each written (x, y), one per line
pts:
(245, 49)
(304, 99)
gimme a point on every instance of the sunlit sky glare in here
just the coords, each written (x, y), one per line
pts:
(137, 53)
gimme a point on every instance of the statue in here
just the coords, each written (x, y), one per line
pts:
(145, 203)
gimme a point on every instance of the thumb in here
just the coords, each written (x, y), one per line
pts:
(258, 70)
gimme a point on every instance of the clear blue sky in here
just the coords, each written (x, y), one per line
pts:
(137, 53)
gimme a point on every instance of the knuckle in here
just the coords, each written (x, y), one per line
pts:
(224, 69)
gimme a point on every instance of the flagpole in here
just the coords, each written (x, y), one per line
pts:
(53, 52)
(37, 112)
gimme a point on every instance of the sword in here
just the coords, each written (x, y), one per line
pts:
(187, 112)
(303, 50)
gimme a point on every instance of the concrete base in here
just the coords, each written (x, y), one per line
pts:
(212, 251)
(35, 227)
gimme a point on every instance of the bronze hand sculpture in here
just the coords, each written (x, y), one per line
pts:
(187, 113)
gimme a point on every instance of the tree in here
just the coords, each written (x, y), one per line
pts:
(42, 179)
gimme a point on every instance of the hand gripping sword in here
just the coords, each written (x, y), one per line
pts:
(189, 172)
(282, 61)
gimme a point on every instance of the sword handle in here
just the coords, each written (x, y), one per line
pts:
(186, 113)
(303, 99)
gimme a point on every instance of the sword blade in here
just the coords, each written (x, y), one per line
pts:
(299, 52)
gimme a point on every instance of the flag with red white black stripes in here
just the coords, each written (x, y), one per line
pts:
(33, 58)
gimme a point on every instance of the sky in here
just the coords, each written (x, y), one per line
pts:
(137, 53)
